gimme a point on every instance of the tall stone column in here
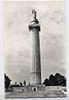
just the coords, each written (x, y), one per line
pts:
(36, 65)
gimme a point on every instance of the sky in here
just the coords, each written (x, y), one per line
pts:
(18, 39)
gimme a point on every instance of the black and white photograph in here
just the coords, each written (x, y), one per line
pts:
(35, 63)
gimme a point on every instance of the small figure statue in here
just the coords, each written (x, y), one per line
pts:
(34, 13)
(34, 16)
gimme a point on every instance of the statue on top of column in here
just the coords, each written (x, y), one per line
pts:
(34, 13)
(34, 16)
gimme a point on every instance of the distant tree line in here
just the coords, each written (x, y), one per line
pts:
(55, 80)
(7, 82)
(20, 84)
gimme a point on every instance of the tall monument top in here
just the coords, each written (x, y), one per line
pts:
(34, 16)
(34, 13)
(34, 23)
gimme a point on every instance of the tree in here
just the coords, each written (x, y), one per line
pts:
(15, 83)
(52, 80)
(46, 82)
(20, 83)
(7, 81)
(29, 84)
(24, 83)
(60, 80)
(55, 80)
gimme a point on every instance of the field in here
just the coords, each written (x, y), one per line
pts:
(45, 92)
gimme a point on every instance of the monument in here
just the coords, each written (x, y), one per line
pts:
(35, 88)
(34, 27)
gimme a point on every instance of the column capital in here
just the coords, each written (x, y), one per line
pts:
(34, 23)
(34, 26)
